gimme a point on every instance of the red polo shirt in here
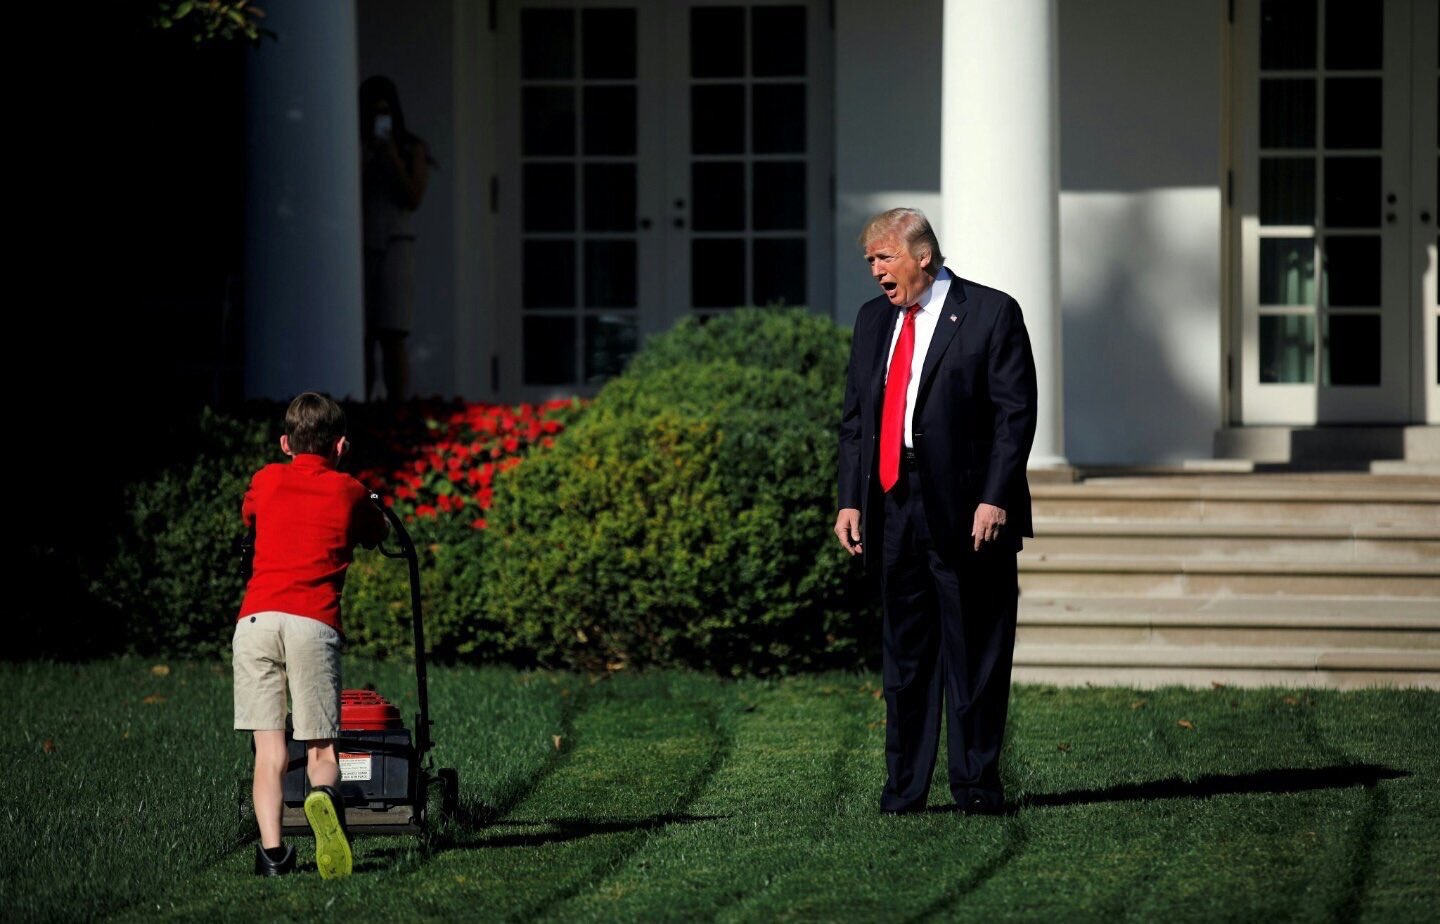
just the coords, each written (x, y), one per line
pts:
(307, 518)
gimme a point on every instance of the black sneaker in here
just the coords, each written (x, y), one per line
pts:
(325, 811)
(264, 866)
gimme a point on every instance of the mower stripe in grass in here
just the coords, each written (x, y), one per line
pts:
(640, 757)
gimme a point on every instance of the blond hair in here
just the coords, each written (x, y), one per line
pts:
(911, 226)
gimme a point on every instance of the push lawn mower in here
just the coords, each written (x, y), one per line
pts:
(386, 777)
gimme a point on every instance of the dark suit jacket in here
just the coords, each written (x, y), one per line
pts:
(974, 417)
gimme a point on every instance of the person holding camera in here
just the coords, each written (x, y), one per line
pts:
(395, 168)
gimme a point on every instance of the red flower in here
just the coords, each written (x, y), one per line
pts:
(478, 523)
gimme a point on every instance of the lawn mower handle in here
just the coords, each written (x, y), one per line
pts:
(407, 552)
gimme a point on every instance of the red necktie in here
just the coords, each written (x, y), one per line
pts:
(892, 415)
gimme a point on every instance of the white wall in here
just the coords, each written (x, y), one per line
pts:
(412, 44)
(887, 127)
(1141, 101)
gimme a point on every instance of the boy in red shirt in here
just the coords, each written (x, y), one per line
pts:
(307, 517)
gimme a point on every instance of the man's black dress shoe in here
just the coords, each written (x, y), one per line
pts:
(264, 866)
(976, 805)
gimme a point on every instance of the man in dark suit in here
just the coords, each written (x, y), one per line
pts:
(937, 424)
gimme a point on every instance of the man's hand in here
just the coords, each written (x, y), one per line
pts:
(988, 520)
(847, 530)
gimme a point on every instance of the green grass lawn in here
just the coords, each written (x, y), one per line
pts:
(677, 796)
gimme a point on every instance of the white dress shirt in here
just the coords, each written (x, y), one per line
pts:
(931, 303)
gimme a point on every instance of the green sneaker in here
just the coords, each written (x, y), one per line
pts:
(325, 811)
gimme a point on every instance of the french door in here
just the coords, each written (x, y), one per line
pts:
(1336, 196)
(665, 158)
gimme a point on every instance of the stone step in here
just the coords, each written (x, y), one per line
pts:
(1188, 665)
(1329, 444)
(1395, 622)
(1277, 542)
(1144, 678)
(1400, 467)
(1235, 509)
(1198, 577)
(1281, 499)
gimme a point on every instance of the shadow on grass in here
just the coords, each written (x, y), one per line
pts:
(562, 829)
(1280, 782)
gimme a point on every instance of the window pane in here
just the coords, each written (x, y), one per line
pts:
(548, 274)
(609, 197)
(1287, 113)
(717, 194)
(1354, 31)
(1352, 271)
(1287, 349)
(1287, 271)
(610, 341)
(1352, 112)
(549, 350)
(1353, 350)
(1352, 192)
(547, 44)
(717, 273)
(780, 272)
(777, 41)
(610, 120)
(1287, 191)
(779, 196)
(608, 44)
(717, 41)
(549, 193)
(717, 119)
(610, 274)
(1287, 34)
(548, 114)
(779, 123)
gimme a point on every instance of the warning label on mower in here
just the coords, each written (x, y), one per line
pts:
(354, 767)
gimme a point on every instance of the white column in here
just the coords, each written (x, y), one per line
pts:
(304, 314)
(1000, 175)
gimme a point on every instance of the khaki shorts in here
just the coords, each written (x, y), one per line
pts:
(272, 648)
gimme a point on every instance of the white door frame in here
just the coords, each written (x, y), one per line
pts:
(663, 176)
(1313, 402)
(1424, 254)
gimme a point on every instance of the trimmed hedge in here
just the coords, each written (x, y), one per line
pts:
(806, 344)
(685, 518)
(175, 578)
(176, 575)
